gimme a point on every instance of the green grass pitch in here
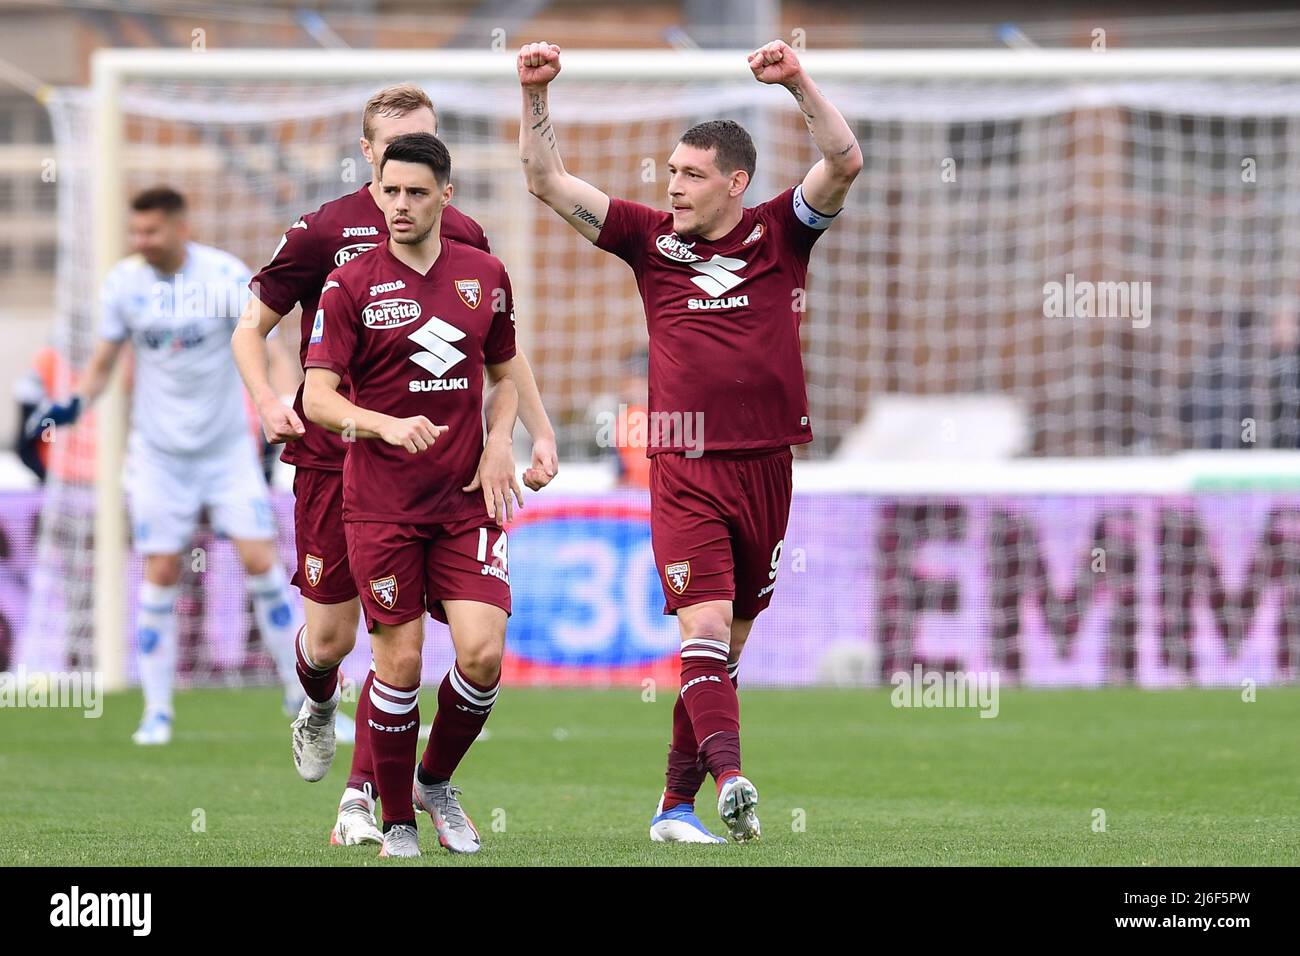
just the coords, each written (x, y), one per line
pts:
(1189, 777)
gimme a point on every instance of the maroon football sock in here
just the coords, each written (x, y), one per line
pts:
(685, 774)
(362, 772)
(711, 703)
(393, 726)
(317, 683)
(463, 709)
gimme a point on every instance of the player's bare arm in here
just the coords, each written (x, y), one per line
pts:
(99, 369)
(280, 423)
(285, 372)
(496, 466)
(327, 407)
(579, 203)
(827, 183)
(545, 464)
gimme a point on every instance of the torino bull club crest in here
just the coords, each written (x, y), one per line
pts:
(313, 566)
(385, 590)
(678, 575)
(469, 291)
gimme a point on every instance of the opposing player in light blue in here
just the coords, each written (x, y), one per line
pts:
(176, 302)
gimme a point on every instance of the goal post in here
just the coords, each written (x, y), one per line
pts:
(1117, 164)
(111, 532)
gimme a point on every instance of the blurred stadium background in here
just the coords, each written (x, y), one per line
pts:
(1069, 501)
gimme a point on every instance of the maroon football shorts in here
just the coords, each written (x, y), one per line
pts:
(717, 525)
(322, 573)
(402, 570)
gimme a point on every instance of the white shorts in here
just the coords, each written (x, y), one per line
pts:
(165, 494)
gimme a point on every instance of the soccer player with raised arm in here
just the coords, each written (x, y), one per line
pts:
(414, 325)
(721, 285)
(311, 248)
(175, 302)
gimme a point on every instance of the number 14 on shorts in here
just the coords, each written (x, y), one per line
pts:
(500, 552)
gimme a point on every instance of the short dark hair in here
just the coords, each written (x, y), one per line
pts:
(733, 148)
(159, 197)
(420, 148)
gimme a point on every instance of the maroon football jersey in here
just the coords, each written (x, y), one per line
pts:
(316, 244)
(415, 345)
(723, 318)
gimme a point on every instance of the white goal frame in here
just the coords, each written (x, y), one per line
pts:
(113, 68)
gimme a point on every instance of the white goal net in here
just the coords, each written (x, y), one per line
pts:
(1113, 260)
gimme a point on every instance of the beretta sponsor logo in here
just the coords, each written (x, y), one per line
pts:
(673, 248)
(348, 253)
(390, 313)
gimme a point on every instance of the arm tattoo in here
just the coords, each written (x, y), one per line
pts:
(547, 134)
(797, 93)
(538, 109)
(583, 214)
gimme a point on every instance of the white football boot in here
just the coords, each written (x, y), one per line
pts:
(680, 825)
(356, 820)
(154, 730)
(736, 802)
(313, 742)
(401, 840)
(455, 830)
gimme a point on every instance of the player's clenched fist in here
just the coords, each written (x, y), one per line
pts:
(774, 62)
(546, 465)
(538, 63)
(414, 434)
